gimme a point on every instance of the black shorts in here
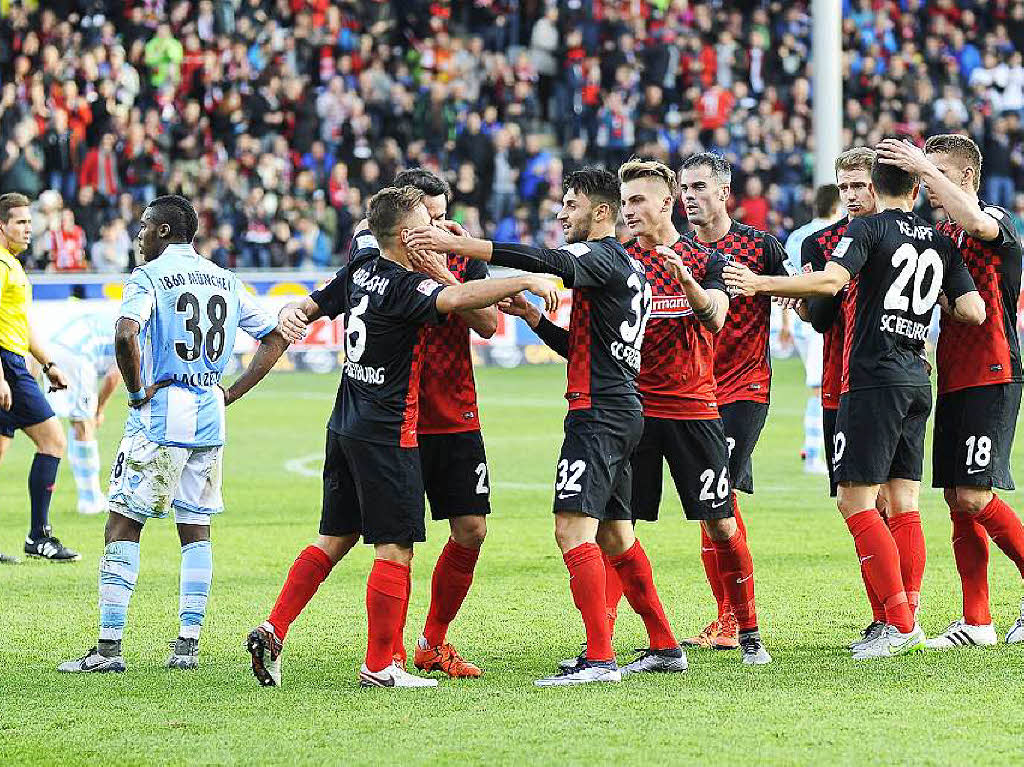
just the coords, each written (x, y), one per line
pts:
(593, 474)
(880, 434)
(375, 490)
(28, 404)
(828, 418)
(743, 421)
(698, 458)
(973, 436)
(455, 474)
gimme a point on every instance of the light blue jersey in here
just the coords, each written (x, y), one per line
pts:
(188, 309)
(796, 240)
(90, 336)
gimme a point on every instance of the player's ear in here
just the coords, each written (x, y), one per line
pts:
(164, 231)
(726, 191)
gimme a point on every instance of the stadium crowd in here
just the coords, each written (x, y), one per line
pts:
(279, 118)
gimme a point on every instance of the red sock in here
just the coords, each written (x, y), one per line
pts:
(309, 570)
(637, 579)
(398, 649)
(612, 592)
(1005, 529)
(386, 604)
(736, 514)
(880, 561)
(710, 562)
(452, 578)
(586, 581)
(970, 549)
(877, 609)
(737, 572)
(906, 531)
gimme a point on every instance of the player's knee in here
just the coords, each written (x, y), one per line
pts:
(84, 431)
(394, 552)
(469, 531)
(336, 546)
(615, 538)
(570, 531)
(721, 529)
(120, 528)
(52, 441)
(972, 500)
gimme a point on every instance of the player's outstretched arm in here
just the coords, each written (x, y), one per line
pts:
(128, 354)
(709, 306)
(827, 282)
(481, 293)
(295, 317)
(555, 337)
(435, 265)
(959, 205)
(271, 347)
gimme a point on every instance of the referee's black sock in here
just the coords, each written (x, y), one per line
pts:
(41, 478)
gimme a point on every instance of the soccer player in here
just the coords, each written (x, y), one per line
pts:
(611, 306)
(174, 336)
(810, 345)
(743, 371)
(853, 177)
(979, 373)
(373, 480)
(22, 404)
(896, 266)
(84, 348)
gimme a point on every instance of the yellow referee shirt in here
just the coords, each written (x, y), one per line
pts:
(15, 296)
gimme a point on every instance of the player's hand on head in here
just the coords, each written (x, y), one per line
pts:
(6, 400)
(454, 227)
(740, 280)
(433, 264)
(901, 153)
(151, 390)
(545, 289)
(428, 238)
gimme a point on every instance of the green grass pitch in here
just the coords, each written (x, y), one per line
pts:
(813, 704)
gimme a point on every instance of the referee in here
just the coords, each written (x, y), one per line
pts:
(22, 404)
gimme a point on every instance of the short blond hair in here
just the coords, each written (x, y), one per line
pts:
(387, 210)
(961, 148)
(636, 168)
(858, 158)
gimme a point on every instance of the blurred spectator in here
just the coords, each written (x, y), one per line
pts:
(100, 169)
(110, 253)
(67, 245)
(22, 167)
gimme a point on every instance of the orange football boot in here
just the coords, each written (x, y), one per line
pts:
(446, 659)
(727, 637)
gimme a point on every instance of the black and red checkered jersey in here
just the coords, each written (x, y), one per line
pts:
(743, 368)
(898, 265)
(989, 353)
(385, 307)
(677, 359)
(814, 252)
(611, 304)
(447, 387)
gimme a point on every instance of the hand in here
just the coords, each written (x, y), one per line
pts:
(432, 264)
(903, 155)
(674, 264)
(545, 289)
(57, 378)
(519, 306)
(6, 400)
(292, 323)
(740, 280)
(454, 227)
(429, 238)
(228, 398)
(150, 391)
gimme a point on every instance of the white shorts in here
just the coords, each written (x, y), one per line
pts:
(148, 479)
(810, 345)
(78, 401)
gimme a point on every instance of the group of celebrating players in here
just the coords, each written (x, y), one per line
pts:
(667, 350)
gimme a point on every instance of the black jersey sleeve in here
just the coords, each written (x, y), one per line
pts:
(775, 257)
(956, 280)
(414, 299)
(555, 337)
(363, 244)
(579, 264)
(823, 310)
(331, 297)
(714, 273)
(855, 245)
(1007, 232)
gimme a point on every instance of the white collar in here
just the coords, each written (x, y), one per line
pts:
(181, 249)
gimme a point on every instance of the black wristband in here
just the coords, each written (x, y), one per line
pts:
(47, 366)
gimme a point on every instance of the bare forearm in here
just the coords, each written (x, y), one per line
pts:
(36, 348)
(107, 389)
(960, 206)
(471, 247)
(479, 294)
(271, 347)
(709, 307)
(128, 354)
(483, 321)
(810, 285)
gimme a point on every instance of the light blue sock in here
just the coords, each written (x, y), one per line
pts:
(196, 576)
(84, 458)
(814, 431)
(119, 570)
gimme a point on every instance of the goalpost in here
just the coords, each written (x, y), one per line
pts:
(827, 88)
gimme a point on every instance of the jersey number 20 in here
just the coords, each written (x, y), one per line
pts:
(915, 266)
(217, 312)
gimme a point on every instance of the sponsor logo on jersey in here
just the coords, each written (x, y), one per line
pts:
(576, 248)
(428, 286)
(901, 326)
(364, 373)
(671, 306)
